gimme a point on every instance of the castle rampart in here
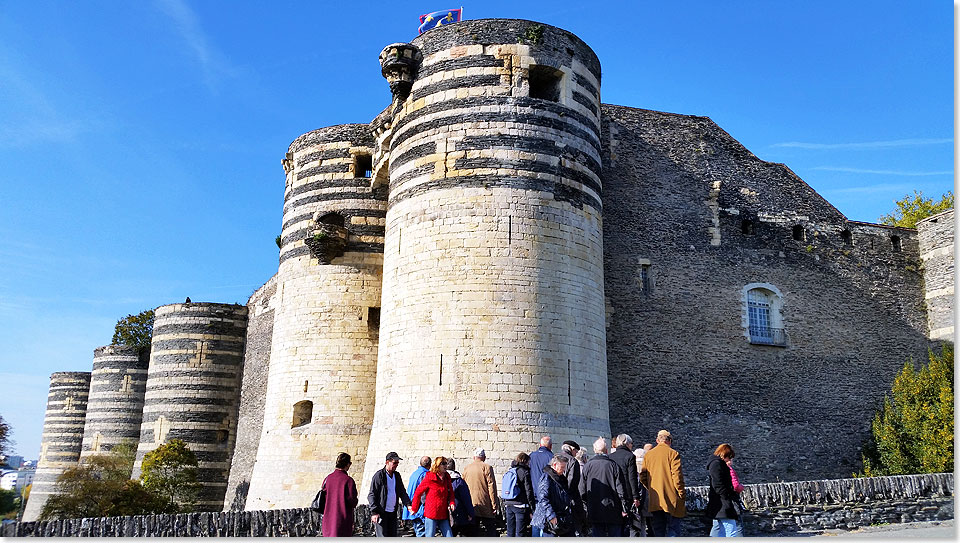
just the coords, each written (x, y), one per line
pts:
(322, 376)
(62, 436)
(493, 294)
(115, 403)
(936, 235)
(193, 388)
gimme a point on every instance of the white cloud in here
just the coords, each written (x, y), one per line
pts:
(211, 62)
(866, 144)
(882, 172)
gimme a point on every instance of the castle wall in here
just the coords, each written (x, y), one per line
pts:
(319, 397)
(492, 328)
(936, 235)
(115, 404)
(253, 393)
(193, 388)
(62, 436)
(680, 351)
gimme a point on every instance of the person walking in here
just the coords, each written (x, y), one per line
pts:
(662, 474)
(462, 518)
(339, 496)
(519, 498)
(483, 488)
(569, 450)
(553, 515)
(602, 488)
(386, 490)
(540, 459)
(416, 519)
(723, 497)
(627, 462)
(437, 489)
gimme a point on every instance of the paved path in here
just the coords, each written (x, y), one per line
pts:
(935, 529)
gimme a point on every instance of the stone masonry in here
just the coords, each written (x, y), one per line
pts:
(936, 235)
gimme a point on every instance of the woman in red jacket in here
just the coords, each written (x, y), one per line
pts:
(437, 488)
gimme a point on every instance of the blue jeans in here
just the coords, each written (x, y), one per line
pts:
(418, 529)
(517, 519)
(606, 530)
(535, 531)
(431, 527)
(726, 527)
(543, 533)
(665, 524)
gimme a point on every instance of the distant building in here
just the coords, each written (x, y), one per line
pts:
(8, 479)
(24, 478)
(14, 462)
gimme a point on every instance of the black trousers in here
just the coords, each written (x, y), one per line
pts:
(387, 527)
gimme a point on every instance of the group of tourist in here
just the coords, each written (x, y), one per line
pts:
(618, 492)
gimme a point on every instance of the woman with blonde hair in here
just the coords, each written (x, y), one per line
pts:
(437, 488)
(722, 504)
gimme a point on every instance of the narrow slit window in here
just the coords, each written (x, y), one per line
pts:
(373, 318)
(545, 83)
(363, 166)
(847, 237)
(644, 280)
(896, 244)
(798, 233)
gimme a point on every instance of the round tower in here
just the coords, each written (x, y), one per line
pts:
(323, 358)
(193, 388)
(62, 436)
(115, 404)
(493, 315)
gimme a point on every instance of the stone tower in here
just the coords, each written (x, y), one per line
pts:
(935, 235)
(193, 388)
(323, 357)
(115, 404)
(62, 436)
(493, 313)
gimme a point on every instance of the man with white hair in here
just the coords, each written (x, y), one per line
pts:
(624, 458)
(662, 474)
(483, 490)
(540, 459)
(602, 489)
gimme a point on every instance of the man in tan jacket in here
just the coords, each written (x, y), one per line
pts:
(483, 490)
(662, 474)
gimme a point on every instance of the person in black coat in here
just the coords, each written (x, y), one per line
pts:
(602, 489)
(624, 458)
(722, 497)
(386, 483)
(519, 509)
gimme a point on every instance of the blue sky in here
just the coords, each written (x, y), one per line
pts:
(140, 142)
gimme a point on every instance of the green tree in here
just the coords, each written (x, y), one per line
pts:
(170, 471)
(6, 444)
(913, 430)
(134, 330)
(9, 501)
(912, 209)
(101, 487)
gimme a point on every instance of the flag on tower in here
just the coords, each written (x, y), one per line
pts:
(438, 18)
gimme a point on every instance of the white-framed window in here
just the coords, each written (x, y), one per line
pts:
(763, 315)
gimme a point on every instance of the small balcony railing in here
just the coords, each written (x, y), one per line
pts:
(761, 335)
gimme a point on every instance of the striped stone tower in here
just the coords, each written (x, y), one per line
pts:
(935, 235)
(193, 388)
(323, 358)
(62, 436)
(115, 404)
(493, 314)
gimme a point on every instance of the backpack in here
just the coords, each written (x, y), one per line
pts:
(510, 490)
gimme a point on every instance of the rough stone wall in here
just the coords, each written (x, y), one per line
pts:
(62, 436)
(325, 330)
(774, 509)
(193, 388)
(936, 250)
(679, 351)
(253, 393)
(492, 330)
(115, 404)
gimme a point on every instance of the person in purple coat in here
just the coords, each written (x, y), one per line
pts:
(341, 500)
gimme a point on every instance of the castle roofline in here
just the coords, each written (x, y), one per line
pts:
(879, 225)
(329, 134)
(937, 216)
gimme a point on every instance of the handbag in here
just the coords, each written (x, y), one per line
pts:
(320, 501)
(563, 527)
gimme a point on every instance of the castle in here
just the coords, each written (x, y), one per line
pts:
(498, 256)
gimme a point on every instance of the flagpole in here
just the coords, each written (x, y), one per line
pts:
(461, 13)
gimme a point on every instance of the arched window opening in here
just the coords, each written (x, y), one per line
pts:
(847, 237)
(335, 219)
(302, 413)
(764, 319)
(895, 243)
(746, 227)
(798, 233)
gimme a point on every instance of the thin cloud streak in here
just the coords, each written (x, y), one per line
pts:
(870, 189)
(866, 144)
(881, 172)
(187, 24)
